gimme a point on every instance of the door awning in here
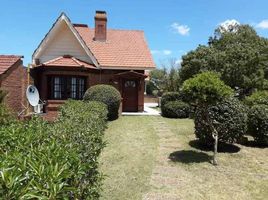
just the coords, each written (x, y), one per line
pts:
(131, 74)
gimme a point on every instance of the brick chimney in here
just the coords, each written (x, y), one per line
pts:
(100, 26)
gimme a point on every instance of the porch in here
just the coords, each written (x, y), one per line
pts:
(68, 78)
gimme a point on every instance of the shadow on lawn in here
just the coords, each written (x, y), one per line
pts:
(253, 144)
(222, 147)
(189, 156)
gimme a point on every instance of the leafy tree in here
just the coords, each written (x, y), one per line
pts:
(235, 54)
(158, 78)
(257, 98)
(204, 90)
(166, 80)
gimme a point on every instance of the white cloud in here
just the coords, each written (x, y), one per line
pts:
(229, 25)
(180, 29)
(178, 61)
(155, 52)
(165, 52)
(263, 24)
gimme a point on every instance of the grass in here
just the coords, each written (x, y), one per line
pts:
(129, 157)
(157, 108)
(242, 172)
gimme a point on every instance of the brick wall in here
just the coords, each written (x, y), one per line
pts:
(14, 81)
(94, 77)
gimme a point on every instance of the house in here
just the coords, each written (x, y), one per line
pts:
(13, 81)
(73, 57)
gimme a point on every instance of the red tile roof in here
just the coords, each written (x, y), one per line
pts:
(68, 61)
(7, 61)
(123, 48)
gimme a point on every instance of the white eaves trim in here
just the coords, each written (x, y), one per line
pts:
(49, 35)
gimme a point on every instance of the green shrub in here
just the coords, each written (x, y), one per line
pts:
(258, 123)
(82, 125)
(5, 115)
(170, 96)
(106, 94)
(229, 118)
(2, 96)
(259, 97)
(175, 109)
(54, 161)
(206, 88)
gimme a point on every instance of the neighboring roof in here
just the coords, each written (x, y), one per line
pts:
(123, 48)
(7, 61)
(68, 61)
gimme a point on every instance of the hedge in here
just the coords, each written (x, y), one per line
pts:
(54, 161)
(106, 94)
(258, 123)
(5, 116)
(173, 105)
(229, 117)
(170, 96)
(2, 95)
(175, 109)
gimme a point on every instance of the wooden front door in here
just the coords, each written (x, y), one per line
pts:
(130, 95)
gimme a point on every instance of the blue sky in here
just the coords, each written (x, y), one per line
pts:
(172, 27)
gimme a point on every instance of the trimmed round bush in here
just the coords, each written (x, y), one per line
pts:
(175, 109)
(170, 96)
(229, 117)
(258, 123)
(106, 94)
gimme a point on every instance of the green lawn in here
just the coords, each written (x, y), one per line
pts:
(129, 158)
(241, 174)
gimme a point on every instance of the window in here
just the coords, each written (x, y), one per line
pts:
(57, 88)
(65, 87)
(130, 84)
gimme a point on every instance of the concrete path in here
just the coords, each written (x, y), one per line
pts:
(148, 110)
(165, 178)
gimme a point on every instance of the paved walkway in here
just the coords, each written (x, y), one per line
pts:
(165, 178)
(148, 110)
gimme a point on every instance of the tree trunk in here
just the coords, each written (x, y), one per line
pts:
(215, 136)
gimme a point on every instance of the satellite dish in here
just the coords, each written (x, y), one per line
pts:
(32, 95)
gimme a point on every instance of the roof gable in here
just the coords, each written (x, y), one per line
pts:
(63, 39)
(123, 49)
(7, 61)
